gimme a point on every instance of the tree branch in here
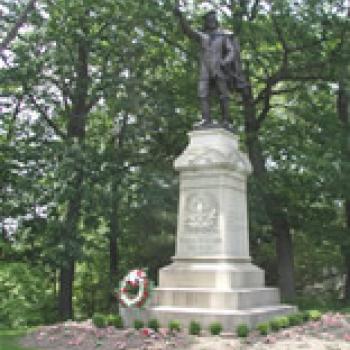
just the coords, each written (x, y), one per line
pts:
(254, 10)
(310, 77)
(11, 35)
(14, 117)
(43, 113)
(166, 39)
(282, 40)
(267, 97)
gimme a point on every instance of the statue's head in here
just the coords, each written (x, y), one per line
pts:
(210, 21)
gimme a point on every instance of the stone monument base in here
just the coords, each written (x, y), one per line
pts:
(226, 292)
(212, 277)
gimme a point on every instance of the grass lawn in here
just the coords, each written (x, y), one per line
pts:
(9, 339)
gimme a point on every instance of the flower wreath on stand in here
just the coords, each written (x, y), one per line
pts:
(134, 289)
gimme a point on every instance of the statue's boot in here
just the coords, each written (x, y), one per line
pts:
(205, 107)
(225, 111)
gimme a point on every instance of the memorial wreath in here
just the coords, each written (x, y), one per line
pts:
(134, 289)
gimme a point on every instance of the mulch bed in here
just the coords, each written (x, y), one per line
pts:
(85, 336)
(332, 332)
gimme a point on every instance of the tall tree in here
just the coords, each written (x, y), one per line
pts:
(344, 118)
(63, 71)
(281, 55)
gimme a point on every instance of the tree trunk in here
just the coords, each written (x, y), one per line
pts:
(285, 258)
(54, 283)
(71, 234)
(347, 277)
(113, 240)
(118, 141)
(113, 244)
(113, 247)
(344, 117)
(65, 306)
(75, 131)
(114, 228)
(346, 255)
(277, 217)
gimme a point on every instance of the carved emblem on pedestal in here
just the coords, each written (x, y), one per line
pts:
(201, 213)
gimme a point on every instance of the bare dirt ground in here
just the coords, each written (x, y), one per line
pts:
(332, 332)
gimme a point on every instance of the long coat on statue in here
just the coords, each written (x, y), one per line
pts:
(219, 56)
(220, 63)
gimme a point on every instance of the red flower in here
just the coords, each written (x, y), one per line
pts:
(347, 337)
(146, 332)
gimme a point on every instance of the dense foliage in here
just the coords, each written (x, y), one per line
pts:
(96, 98)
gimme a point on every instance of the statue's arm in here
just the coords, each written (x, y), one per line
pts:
(234, 55)
(232, 50)
(187, 29)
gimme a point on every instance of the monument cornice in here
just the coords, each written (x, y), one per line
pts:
(204, 152)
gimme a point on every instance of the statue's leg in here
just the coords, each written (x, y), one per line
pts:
(205, 107)
(225, 108)
(203, 93)
(224, 96)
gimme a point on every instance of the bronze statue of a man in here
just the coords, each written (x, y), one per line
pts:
(220, 66)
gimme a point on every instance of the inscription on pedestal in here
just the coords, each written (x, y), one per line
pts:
(201, 213)
(200, 234)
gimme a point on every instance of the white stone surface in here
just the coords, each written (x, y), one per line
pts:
(217, 299)
(229, 318)
(214, 274)
(213, 148)
(212, 216)
(212, 277)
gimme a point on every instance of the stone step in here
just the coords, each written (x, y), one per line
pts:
(209, 298)
(224, 276)
(228, 318)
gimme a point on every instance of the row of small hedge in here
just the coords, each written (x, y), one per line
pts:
(215, 328)
(101, 321)
(281, 322)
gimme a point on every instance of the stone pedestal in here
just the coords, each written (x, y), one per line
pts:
(212, 277)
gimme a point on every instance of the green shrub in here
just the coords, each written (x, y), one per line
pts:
(242, 330)
(314, 315)
(301, 317)
(79, 318)
(138, 324)
(174, 325)
(295, 319)
(114, 320)
(194, 328)
(99, 320)
(26, 298)
(263, 328)
(306, 316)
(154, 324)
(283, 321)
(215, 328)
(275, 324)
